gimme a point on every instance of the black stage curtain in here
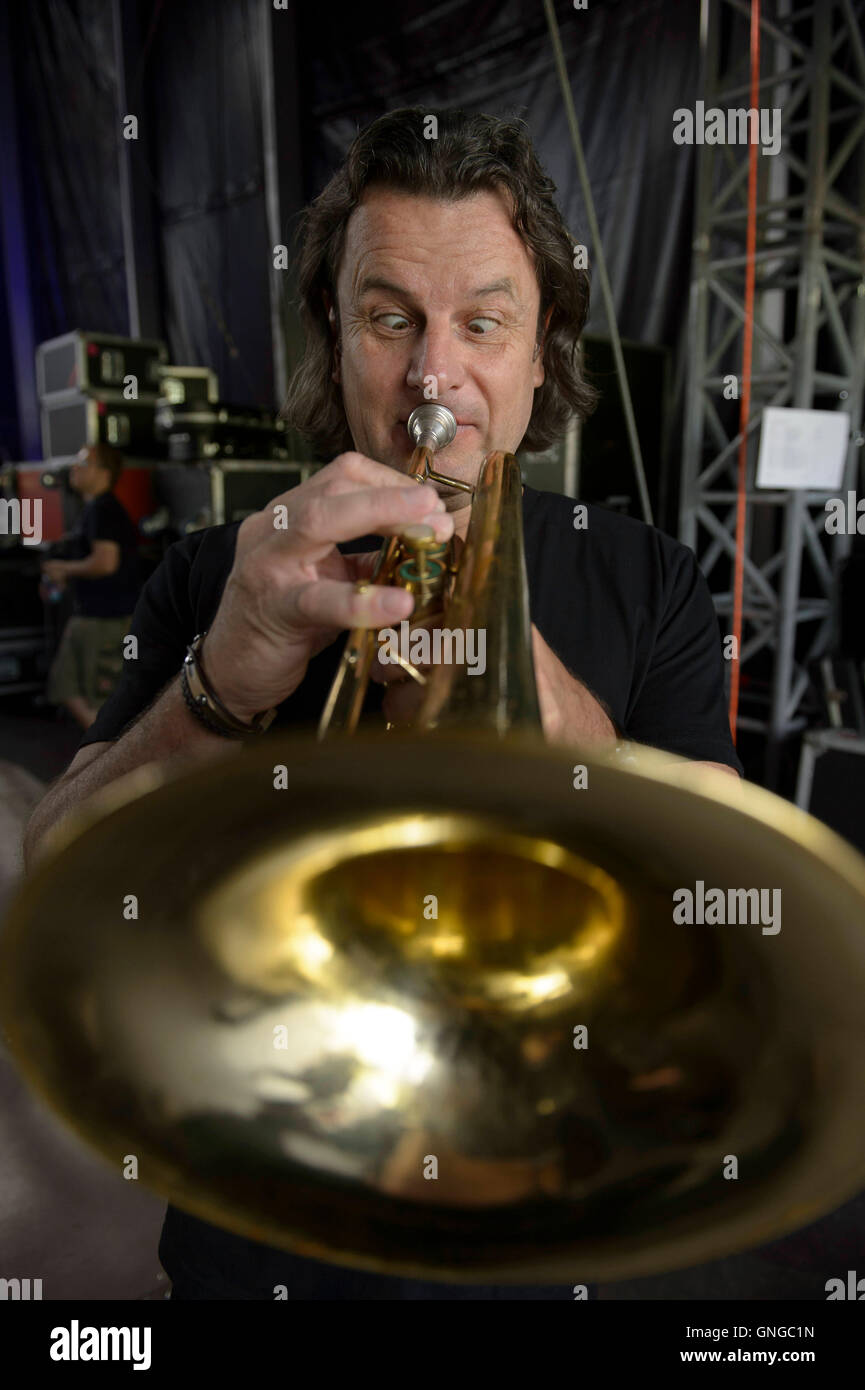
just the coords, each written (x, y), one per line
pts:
(630, 62)
(204, 89)
(65, 95)
(198, 85)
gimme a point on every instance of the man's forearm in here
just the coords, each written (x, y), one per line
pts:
(89, 568)
(165, 732)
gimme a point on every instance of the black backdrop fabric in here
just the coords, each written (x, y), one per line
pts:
(197, 85)
(630, 64)
(204, 93)
(65, 96)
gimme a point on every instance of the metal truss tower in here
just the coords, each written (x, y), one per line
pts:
(809, 331)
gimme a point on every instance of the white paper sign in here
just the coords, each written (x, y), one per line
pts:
(803, 448)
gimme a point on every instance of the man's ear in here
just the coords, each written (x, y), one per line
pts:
(538, 354)
(333, 325)
(540, 346)
(330, 311)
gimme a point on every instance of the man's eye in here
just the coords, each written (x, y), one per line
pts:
(401, 320)
(493, 323)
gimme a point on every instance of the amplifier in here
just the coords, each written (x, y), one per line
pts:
(208, 494)
(831, 781)
(70, 420)
(851, 595)
(220, 431)
(597, 467)
(98, 362)
(187, 386)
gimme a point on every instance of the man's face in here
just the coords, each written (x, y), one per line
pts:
(85, 475)
(439, 295)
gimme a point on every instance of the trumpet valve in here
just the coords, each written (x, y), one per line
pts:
(424, 567)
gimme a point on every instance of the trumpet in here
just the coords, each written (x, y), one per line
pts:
(488, 590)
(419, 1006)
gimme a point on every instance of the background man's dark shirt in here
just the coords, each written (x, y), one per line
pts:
(626, 609)
(103, 518)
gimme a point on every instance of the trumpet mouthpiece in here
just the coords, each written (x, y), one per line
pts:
(432, 425)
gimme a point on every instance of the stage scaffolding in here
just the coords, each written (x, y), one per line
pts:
(809, 331)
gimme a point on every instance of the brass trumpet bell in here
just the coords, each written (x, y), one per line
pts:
(355, 1013)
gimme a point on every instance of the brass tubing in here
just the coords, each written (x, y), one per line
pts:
(344, 703)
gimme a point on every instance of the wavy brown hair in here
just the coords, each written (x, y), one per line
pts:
(472, 152)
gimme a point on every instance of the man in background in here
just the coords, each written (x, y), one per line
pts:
(105, 581)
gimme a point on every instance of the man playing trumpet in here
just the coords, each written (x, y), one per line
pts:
(432, 268)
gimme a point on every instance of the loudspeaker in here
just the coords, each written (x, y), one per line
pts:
(831, 782)
(602, 470)
(86, 362)
(71, 420)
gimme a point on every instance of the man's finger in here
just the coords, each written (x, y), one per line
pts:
(361, 566)
(390, 672)
(331, 603)
(402, 702)
(327, 520)
(346, 474)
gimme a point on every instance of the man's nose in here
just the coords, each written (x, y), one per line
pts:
(437, 356)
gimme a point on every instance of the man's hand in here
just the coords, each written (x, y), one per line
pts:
(290, 591)
(403, 695)
(569, 713)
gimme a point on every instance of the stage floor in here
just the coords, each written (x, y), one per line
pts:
(65, 1218)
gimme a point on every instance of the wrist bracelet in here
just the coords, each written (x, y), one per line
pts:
(203, 701)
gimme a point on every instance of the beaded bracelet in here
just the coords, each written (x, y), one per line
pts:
(203, 701)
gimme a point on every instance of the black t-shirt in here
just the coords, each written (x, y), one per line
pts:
(103, 518)
(626, 609)
(624, 606)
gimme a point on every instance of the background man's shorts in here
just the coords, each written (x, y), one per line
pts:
(89, 660)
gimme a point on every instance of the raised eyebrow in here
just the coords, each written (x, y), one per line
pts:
(504, 286)
(378, 282)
